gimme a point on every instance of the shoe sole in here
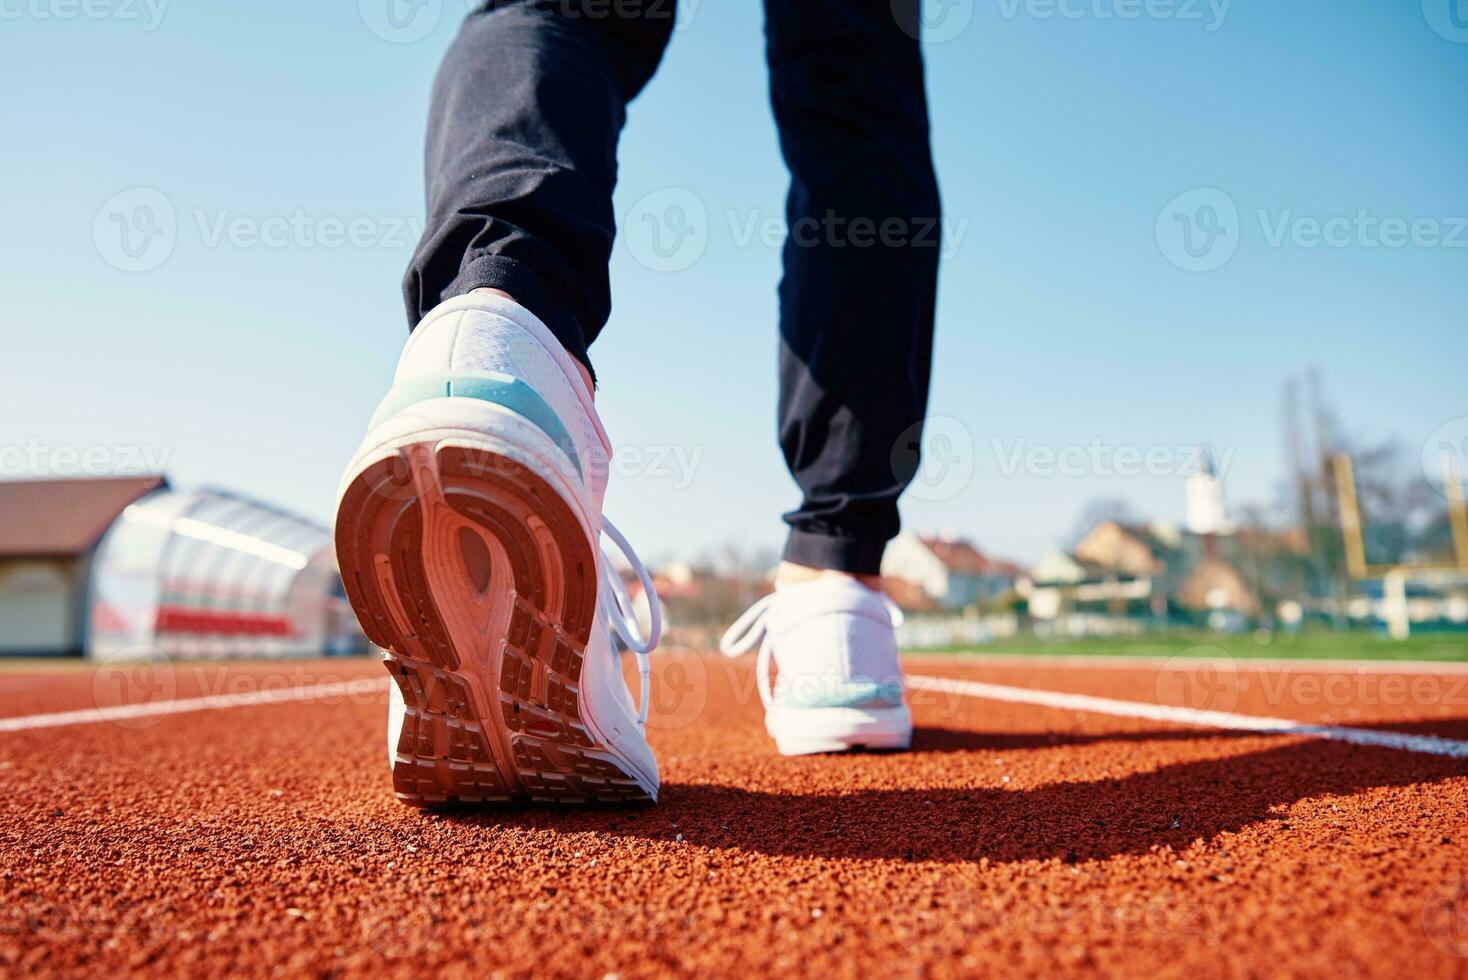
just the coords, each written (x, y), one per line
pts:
(820, 731)
(479, 583)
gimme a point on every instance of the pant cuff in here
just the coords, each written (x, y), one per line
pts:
(855, 556)
(530, 291)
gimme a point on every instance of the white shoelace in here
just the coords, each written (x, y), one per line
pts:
(753, 627)
(621, 612)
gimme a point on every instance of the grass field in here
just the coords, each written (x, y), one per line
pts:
(1300, 646)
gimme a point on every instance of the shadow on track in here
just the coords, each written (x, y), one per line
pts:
(934, 739)
(1099, 818)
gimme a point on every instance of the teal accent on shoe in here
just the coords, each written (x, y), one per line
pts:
(497, 389)
(860, 692)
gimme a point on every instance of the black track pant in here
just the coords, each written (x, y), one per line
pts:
(521, 162)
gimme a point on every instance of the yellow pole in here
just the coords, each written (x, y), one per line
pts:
(1457, 511)
(1345, 483)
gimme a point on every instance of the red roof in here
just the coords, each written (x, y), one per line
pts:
(909, 595)
(64, 517)
(958, 556)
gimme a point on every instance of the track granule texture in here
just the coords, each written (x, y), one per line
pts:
(1014, 840)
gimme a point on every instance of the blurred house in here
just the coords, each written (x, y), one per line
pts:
(1160, 572)
(1154, 551)
(49, 532)
(948, 571)
(132, 567)
(1214, 585)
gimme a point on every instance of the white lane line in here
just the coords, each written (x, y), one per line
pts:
(1428, 744)
(89, 716)
(1024, 661)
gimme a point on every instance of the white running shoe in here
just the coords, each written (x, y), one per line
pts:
(840, 685)
(466, 530)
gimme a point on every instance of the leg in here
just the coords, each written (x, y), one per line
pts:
(521, 157)
(468, 528)
(856, 301)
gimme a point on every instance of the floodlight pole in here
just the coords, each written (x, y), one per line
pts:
(1457, 511)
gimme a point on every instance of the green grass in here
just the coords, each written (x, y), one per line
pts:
(1303, 646)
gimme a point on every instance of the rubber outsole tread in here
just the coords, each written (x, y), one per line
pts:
(488, 661)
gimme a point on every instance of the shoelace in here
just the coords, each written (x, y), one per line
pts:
(621, 613)
(753, 627)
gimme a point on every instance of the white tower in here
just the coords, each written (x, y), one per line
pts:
(1205, 510)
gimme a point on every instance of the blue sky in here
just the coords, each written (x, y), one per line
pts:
(1077, 141)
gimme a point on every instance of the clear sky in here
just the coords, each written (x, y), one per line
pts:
(1085, 307)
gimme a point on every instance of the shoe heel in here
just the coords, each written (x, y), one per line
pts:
(476, 578)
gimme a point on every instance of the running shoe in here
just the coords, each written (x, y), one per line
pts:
(467, 531)
(839, 685)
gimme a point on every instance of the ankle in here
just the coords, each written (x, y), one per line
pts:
(581, 369)
(790, 573)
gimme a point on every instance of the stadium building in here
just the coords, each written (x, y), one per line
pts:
(130, 566)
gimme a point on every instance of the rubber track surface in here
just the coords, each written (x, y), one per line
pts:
(1014, 840)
